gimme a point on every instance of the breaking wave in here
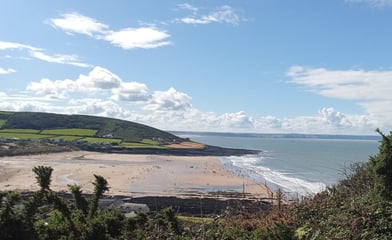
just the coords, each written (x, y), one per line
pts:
(251, 167)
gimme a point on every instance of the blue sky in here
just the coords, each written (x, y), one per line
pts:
(263, 66)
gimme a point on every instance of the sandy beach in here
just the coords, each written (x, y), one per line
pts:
(130, 175)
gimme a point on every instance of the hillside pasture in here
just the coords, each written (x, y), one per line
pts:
(150, 142)
(83, 132)
(23, 135)
(101, 140)
(140, 145)
(67, 138)
(18, 130)
(187, 145)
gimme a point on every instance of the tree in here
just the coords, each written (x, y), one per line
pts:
(381, 165)
(100, 187)
(43, 176)
(80, 200)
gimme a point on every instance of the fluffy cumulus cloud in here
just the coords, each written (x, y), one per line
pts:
(370, 89)
(40, 54)
(20, 102)
(127, 38)
(98, 107)
(98, 80)
(168, 101)
(103, 93)
(131, 91)
(224, 14)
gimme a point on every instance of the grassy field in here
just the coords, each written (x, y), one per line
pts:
(150, 142)
(17, 130)
(140, 145)
(67, 138)
(23, 135)
(101, 140)
(71, 132)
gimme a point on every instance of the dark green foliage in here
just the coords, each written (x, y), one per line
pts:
(100, 186)
(80, 201)
(43, 176)
(359, 207)
(5, 115)
(381, 164)
(13, 224)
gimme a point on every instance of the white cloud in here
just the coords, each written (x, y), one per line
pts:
(170, 100)
(144, 37)
(98, 107)
(103, 93)
(12, 45)
(6, 71)
(334, 118)
(236, 120)
(27, 103)
(38, 53)
(98, 80)
(187, 6)
(58, 58)
(224, 14)
(76, 23)
(131, 91)
(127, 38)
(52, 89)
(370, 89)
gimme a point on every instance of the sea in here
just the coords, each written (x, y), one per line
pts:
(300, 165)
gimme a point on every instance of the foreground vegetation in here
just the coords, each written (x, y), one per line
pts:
(358, 207)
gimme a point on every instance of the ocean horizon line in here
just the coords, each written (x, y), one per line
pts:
(281, 135)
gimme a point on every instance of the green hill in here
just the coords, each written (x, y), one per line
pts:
(95, 134)
(58, 125)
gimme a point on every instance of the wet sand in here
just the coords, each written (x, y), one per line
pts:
(128, 174)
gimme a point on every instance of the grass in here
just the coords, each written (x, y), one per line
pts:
(150, 141)
(23, 135)
(2, 122)
(17, 130)
(67, 138)
(101, 140)
(186, 145)
(140, 145)
(83, 132)
(196, 220)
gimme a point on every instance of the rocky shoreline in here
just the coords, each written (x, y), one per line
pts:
(207, 151)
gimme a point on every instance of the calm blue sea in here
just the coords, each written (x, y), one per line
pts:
(299, 165)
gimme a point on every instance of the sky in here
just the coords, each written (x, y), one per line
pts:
(257, 66)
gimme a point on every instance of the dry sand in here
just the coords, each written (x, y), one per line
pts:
(131, 175)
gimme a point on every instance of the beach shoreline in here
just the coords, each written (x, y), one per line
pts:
(133, 175)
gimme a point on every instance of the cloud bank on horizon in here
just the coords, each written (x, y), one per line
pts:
(51, 77)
